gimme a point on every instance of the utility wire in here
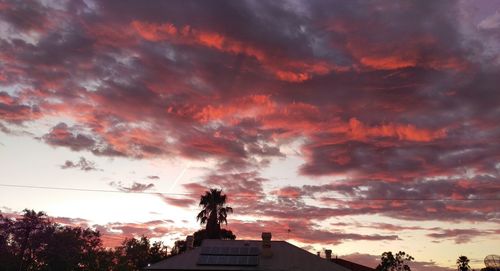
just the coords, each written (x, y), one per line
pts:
(237, 196)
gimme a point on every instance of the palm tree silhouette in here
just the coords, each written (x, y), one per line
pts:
(214, 212)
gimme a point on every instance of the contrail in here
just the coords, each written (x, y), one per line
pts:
(180, 176)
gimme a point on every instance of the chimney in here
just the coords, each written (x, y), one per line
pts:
(266, 245)
(328, 254)
(190, 242)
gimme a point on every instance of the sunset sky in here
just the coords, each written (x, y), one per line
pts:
(361, 126)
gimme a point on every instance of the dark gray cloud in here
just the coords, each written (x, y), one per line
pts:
(461, 236)
(63, 135)
(434, 199)
(83, 164)
(135, 187)
(153, 177)
(14, 111)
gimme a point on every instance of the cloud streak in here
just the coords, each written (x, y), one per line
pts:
(135, 187)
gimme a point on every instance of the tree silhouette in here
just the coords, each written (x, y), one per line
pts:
(68, 247)
(7, 254)
(180, 246)
(463, 263)
(214, 212)
(201, 235)
(135, 254)
(28, 235)
(33, 242)
(398, 262)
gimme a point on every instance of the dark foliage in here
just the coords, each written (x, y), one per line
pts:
(33, 242)
(201, 235)
(134, 254)
(463, 263)
(180, 246)
(398, 262)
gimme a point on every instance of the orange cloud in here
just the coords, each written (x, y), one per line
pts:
(292, 76)
(189, 35)
(283, 69)
(306, 120)
(409, 53)
(250, 106)
(388, 62)
(6, 98)
(289, 191)
(357, 130)
(154, 32)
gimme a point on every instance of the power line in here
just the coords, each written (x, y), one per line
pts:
(93, 190)
(236, 196)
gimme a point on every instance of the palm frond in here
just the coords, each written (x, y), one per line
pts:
(213, 204)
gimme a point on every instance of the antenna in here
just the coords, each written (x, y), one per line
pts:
(492, 261)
